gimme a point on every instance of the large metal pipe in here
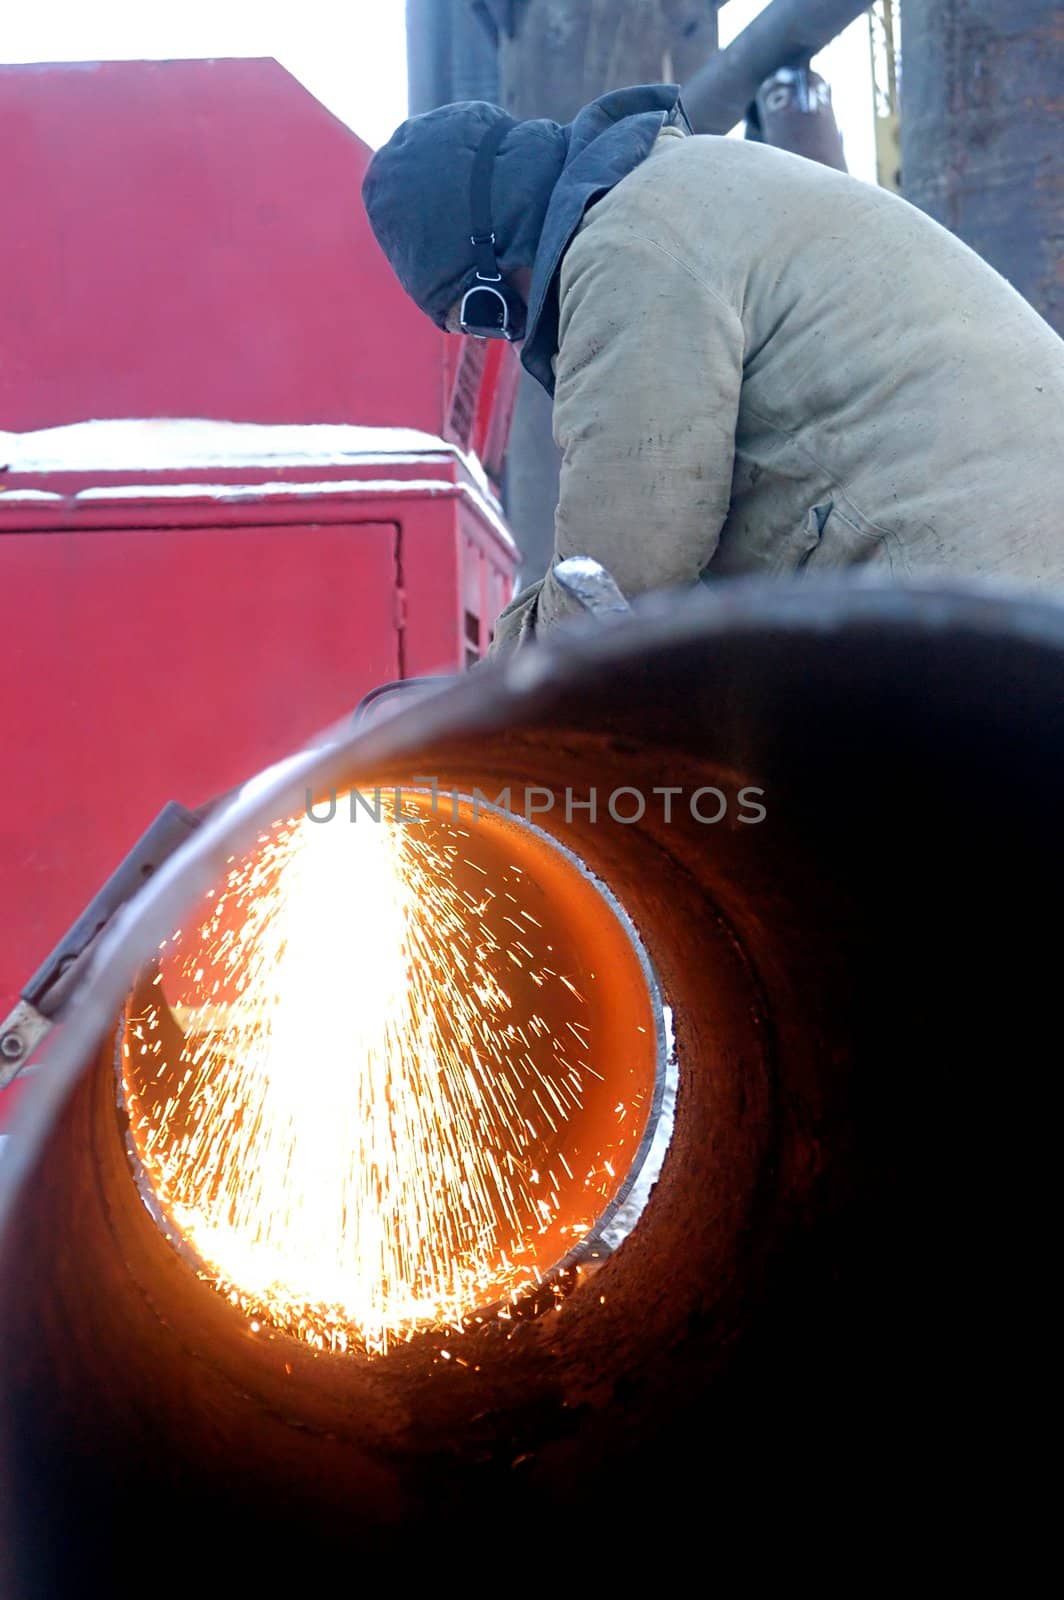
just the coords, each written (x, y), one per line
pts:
(824, 1311)
(793, 111)
(451, 53)
(980, 123)
(474, 53)
(786, 33)
(428, 54)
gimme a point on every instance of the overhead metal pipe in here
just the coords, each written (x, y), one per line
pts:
(838, 1267)
(786, 33)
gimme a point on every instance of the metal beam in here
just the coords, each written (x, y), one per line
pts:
(786, 33)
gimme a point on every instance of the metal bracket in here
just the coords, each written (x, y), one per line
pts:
(588, 583)
(20, 1034)
(43, 996)
(386, 697)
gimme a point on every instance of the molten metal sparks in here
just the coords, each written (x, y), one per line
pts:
(359, 1131)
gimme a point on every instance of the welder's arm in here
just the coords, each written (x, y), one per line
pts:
(647, 394)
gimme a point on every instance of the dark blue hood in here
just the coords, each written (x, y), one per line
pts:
(416, 193)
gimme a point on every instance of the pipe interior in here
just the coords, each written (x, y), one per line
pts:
(508, 1092)
(854, 983)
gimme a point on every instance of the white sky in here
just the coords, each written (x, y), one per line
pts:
(349, 53)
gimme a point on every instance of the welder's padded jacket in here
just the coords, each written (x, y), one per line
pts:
(765, 365)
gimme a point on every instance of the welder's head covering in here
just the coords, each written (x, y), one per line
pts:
(417, 195)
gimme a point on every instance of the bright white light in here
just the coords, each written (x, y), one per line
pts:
(350, 54)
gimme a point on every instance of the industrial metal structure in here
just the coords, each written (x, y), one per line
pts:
(834, 1280)
(242, 479)
(792, 110)
(982, 153)
(884, 37)
(785, 33)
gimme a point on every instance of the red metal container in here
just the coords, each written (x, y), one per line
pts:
(309, 510)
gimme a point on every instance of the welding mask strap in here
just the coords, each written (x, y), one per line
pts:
(483, 236)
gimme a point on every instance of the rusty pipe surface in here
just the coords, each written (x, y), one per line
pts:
(825, 1307)
(980, 128)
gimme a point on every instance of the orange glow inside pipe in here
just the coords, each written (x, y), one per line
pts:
(390, 1074)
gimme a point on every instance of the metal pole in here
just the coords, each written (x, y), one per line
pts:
(786, 33)
(428, 54)
(981, 85)
(474, 53)
(793, 112)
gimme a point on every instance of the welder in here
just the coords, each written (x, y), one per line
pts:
(758, 365)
